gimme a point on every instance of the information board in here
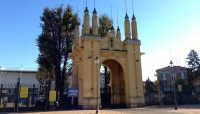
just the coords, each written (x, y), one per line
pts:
(52, 95)
(24, 92)
(72, 92)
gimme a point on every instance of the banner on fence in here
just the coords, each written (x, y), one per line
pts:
(24, 92)
(72, 92)
(52, 95)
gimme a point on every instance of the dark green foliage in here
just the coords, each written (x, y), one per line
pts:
(194, 60)
(54, 44)
(185, 88)
(105, 25)
(149, 86)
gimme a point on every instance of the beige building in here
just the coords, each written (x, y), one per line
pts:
(123, 58)
(166, 78)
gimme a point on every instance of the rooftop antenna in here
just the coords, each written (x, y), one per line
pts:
(86, 3)
(170, 53)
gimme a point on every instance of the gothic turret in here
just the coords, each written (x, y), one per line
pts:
(134, 28)
(94, 23)
(118, 34)
(127, 27)
(86, 24)
(112, 31)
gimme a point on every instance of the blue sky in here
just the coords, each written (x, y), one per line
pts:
(163, 25)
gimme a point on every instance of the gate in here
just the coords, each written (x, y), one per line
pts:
(113, 98)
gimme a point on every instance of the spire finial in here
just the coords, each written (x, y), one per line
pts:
(126, 10)
(126, 6)
(94, 8)
(94, 4)
(132, 7)
(133, 10)
(117, 18)
(111, 11)
(86, 6)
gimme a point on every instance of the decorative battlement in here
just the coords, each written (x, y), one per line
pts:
(91, 37)
(132, 41)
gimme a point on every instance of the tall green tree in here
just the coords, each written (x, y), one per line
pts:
(193, 60)
(55, 43)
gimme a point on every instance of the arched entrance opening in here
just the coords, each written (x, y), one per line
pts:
(112, 85)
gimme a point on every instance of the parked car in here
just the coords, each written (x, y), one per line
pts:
(41, 102)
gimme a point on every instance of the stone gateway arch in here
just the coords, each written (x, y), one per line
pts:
(123, 58)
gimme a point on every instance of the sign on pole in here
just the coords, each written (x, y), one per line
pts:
(179, 88)
(72, 92)
(52, 95)
(24, 92)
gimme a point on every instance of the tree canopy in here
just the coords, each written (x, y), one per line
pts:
(105, 25)
(193, 60)
(149, 86)
(54, 44)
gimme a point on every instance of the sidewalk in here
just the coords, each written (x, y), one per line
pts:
(182, 109)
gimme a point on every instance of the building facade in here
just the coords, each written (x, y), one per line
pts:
(8, 82)
(166, 78)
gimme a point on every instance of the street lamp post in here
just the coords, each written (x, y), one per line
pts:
(175, 103)
(17, 94)
(97, 63)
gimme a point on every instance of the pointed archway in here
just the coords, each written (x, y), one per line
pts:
(113, 95)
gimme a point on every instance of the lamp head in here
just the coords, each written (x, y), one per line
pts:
(97, 60)
(171, 64)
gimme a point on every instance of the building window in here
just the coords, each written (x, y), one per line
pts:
(182, 75)
(164, 76)
(165, 82)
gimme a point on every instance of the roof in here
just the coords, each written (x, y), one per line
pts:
(18, 71)
(174, 68)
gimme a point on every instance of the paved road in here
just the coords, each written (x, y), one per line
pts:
(184, 109)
